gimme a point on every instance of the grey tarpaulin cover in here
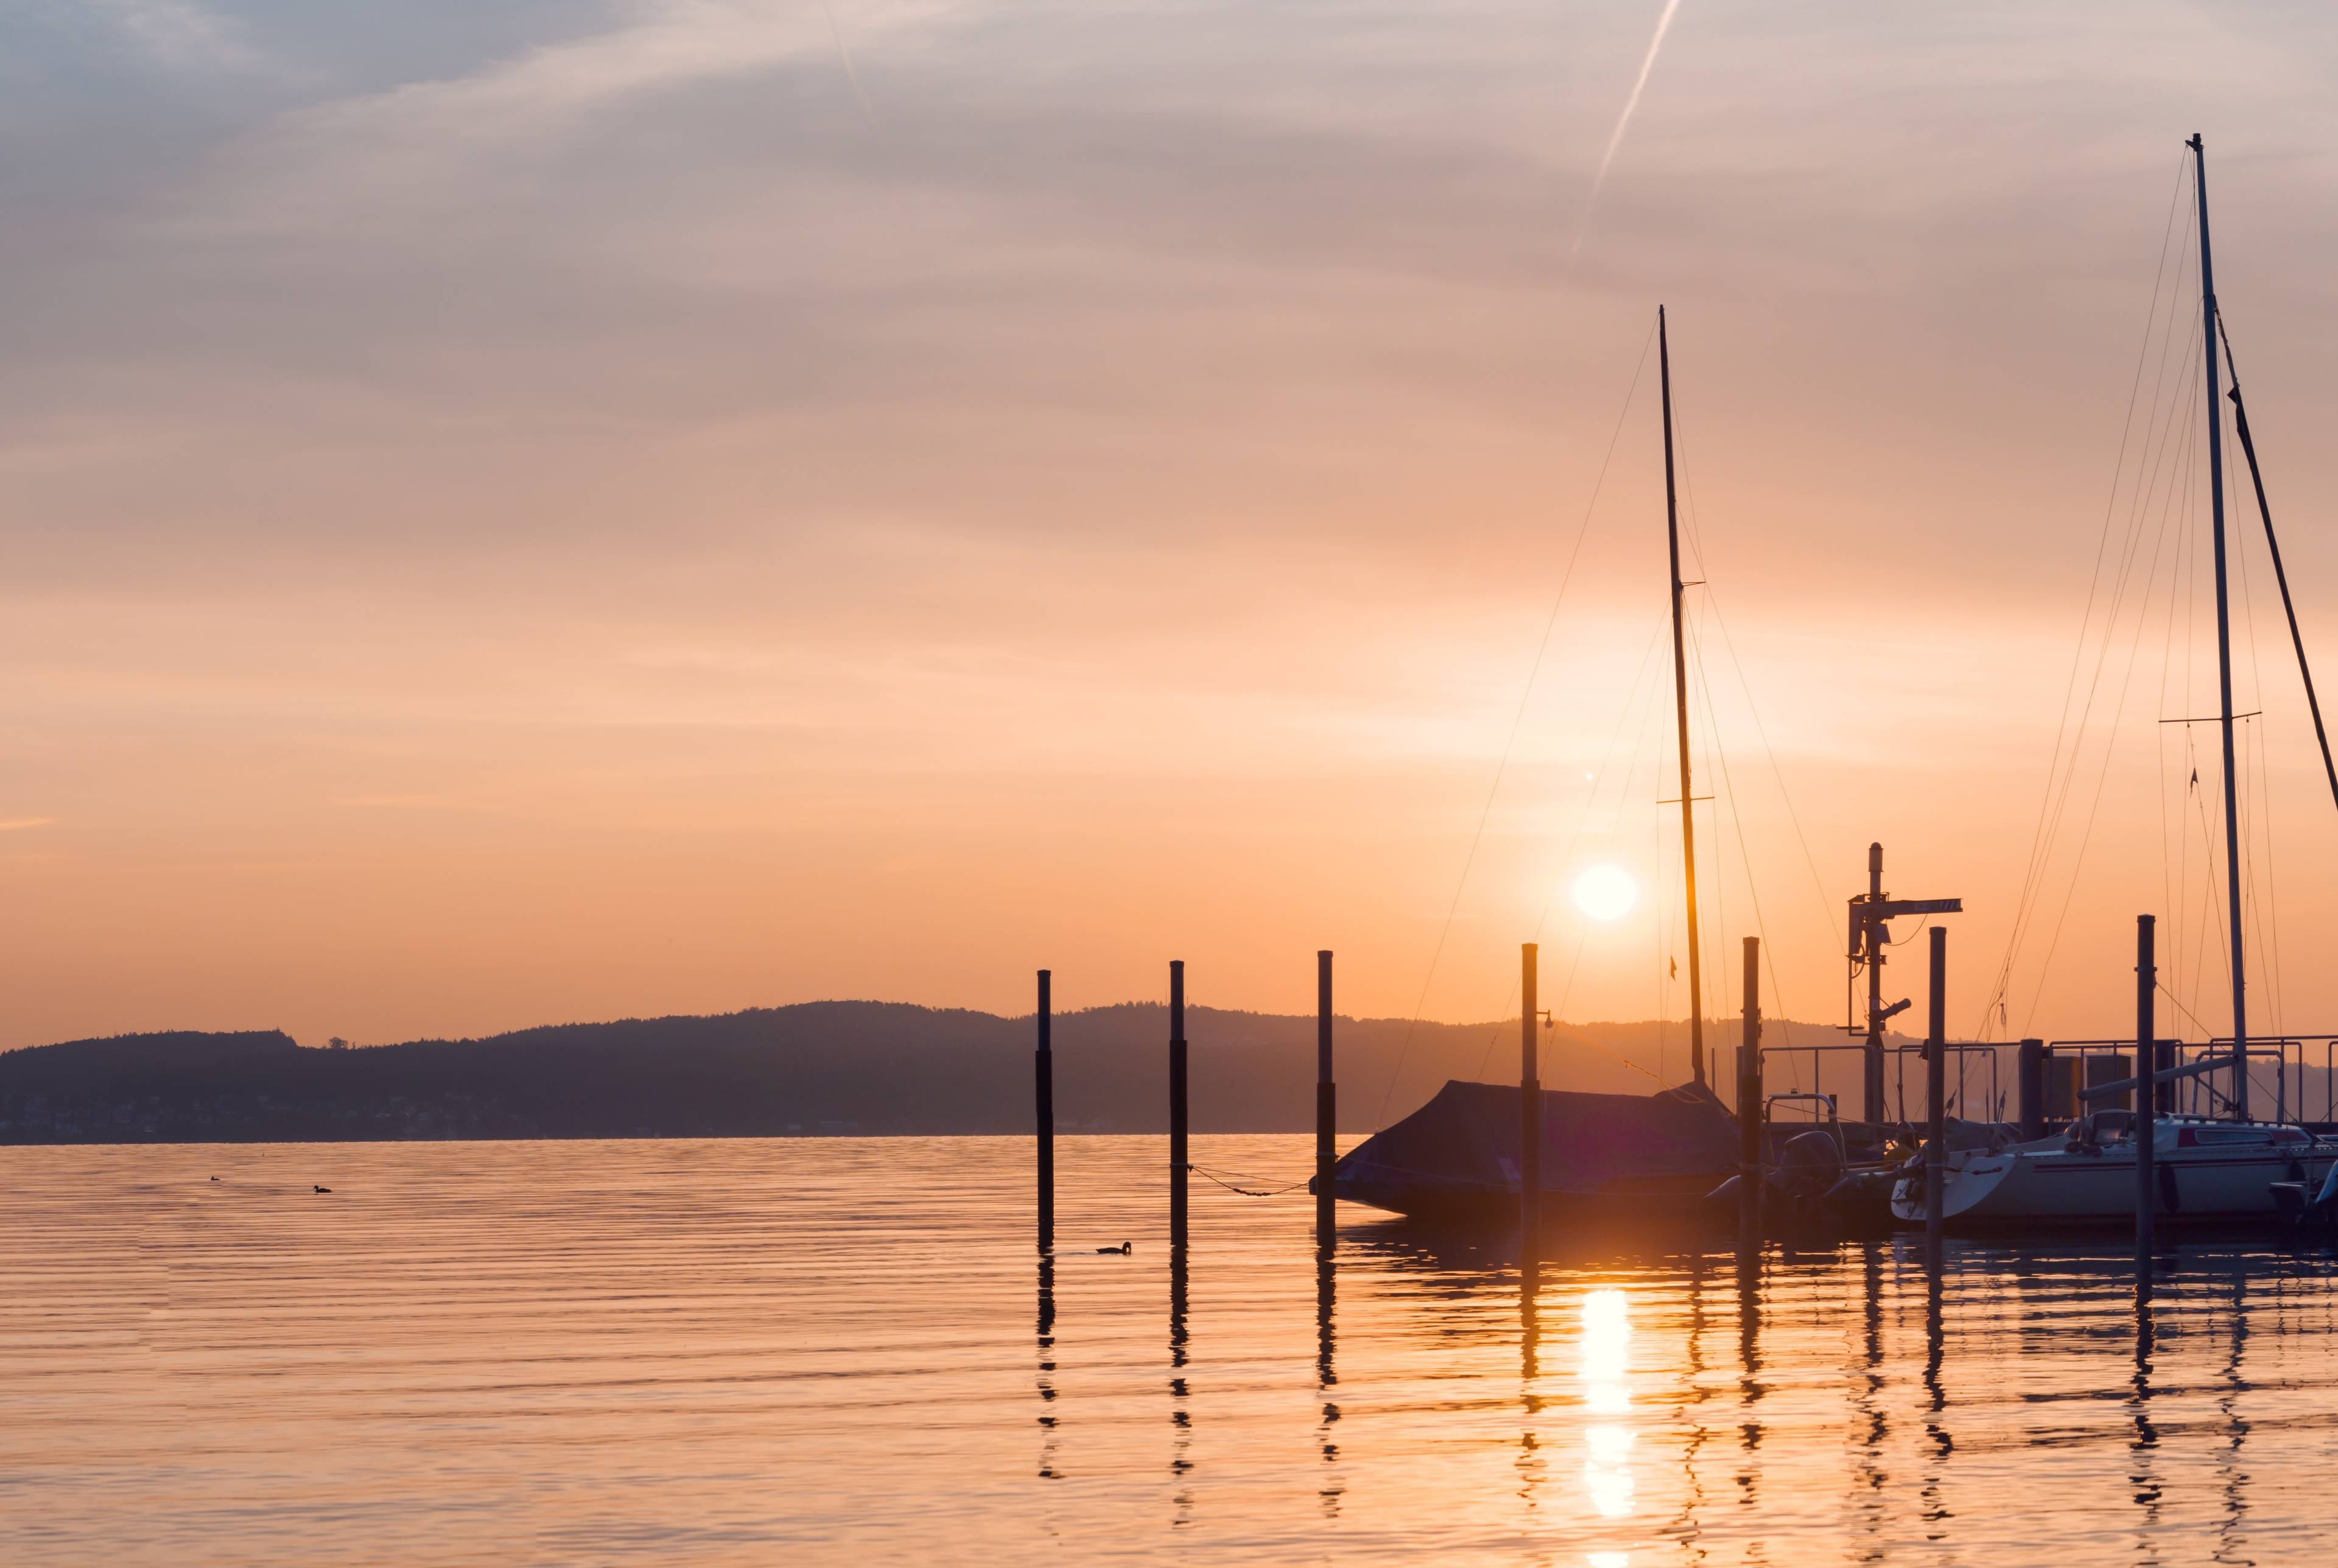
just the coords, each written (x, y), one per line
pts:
(1458, 1154)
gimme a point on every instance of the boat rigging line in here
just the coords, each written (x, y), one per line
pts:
(1511, 740)
(2048, 816)
(1712, 604)
(2272, 548)
(1582, 821)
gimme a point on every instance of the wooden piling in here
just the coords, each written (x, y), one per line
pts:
(2146, 1058)
(1327, 1096)
(1936, 1061)
(1749, 1103)
(1177, 1154)
(1529, 1119)
(1045, 1062)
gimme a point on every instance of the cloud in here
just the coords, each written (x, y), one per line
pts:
(182, 36)
(378, 157)
(13, 824)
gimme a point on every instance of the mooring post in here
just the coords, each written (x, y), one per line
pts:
(2029, 1080)
(1327, 1150)
(1749, 1103)
(1936, 1089)
(1177, 1102)
(1045, 1058)
(2146, 1058)
(1529, 1119)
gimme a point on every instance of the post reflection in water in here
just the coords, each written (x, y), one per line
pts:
(2143, 1473)
(1181, 1416)
(1934, 1491)
(1683, 1525)
(1531, 1468)
(2228, 1404)
(1327, 1378)
(1749, 1374)
(1873, 1425)
(1047, 1337)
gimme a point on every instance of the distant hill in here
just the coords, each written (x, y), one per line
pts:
(822, 1067)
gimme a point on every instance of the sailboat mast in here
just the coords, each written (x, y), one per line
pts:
(1680, 711)
(2223, 640)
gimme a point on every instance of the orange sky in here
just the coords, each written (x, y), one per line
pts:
(524, 513)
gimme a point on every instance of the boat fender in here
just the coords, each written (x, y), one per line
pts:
(2169, 1199)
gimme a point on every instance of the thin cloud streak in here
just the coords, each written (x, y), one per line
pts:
(1639, 85)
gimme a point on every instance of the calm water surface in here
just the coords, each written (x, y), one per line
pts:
(843, 1351)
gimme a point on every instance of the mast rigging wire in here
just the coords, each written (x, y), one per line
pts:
(2156, 441)
(1534, 671)
(2273, 546)
(1550, 895)
(2110, 745)
(1712, 603)
(2040, 846)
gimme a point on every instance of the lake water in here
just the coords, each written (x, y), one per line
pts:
(813, 1351)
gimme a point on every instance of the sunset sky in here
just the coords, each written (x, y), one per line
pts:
(526, 512)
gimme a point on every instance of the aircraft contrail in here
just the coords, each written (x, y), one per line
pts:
(854, 76)
(1622, 121)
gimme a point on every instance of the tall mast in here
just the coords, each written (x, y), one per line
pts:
(2223, 640)
(1680, 710)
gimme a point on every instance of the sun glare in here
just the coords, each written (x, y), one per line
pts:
(1604, 893)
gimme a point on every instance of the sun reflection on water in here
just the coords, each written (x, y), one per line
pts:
(1604, 1372)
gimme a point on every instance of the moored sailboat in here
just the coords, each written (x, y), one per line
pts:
(2205, 1169)
(2232, 1170)
(1468, 1153)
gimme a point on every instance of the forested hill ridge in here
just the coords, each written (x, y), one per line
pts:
(817, 1068)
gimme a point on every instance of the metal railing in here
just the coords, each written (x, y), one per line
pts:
(1899, 1107)
(1992, 1106)
(2292, 1077)
(2281, 1086)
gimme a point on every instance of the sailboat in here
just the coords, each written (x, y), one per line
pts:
(1476, 1150)
(2232, 1168)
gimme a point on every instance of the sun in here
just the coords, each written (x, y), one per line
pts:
(1604, 893)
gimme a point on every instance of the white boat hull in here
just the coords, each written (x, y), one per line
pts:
(2056, 1182)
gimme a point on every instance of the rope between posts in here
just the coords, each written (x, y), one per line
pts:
(1209, 1175)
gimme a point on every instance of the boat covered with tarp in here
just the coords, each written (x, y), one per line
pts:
(1456, 1157)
